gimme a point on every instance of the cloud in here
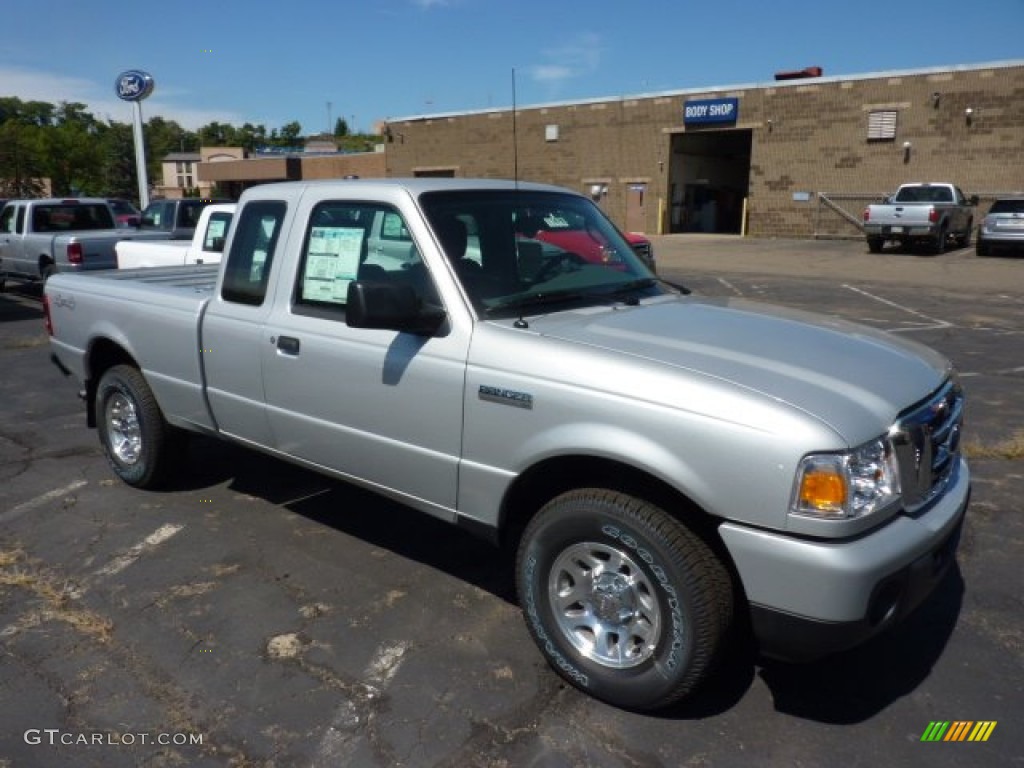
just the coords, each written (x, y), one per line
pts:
(428, 4)
(99, 99)
(578, 57)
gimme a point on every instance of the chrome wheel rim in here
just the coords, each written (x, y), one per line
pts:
(605, 605)
(124, 434)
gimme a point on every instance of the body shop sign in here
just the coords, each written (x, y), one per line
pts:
(710, 111)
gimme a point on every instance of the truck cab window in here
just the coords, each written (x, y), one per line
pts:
(252, 252)
(348, 241)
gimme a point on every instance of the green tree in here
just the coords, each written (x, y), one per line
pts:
(341, 127)
(120, 178)
(22, 159)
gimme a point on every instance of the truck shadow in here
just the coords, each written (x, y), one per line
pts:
(348, 509)
(845, 688)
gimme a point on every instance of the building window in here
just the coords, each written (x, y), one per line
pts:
(882, 125)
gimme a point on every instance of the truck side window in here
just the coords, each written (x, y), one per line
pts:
(216, 230)
(252, 252)
(348, 241)
(7, 220)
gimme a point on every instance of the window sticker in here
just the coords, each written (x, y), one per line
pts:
(332, 263)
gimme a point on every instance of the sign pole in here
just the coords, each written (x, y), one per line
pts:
(135, 85)
(140, 155)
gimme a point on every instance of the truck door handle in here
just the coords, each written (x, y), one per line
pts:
(288, 344)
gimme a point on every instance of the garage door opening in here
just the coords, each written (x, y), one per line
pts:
(709, 178)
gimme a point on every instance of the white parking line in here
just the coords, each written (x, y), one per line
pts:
(38, 501)
(931, 323)
(730, 286)
(155, 539)
(341, 739)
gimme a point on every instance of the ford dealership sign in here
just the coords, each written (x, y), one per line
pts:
(133, 85)
(711, 111)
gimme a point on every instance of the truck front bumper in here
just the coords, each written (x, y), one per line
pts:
(812, 597)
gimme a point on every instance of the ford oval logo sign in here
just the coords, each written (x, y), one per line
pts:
(133, 85)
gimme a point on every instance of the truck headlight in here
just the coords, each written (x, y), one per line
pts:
(842, 486)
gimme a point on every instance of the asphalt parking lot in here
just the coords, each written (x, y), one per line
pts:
(282, 619)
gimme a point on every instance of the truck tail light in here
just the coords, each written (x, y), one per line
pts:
(47, 319)
(933, 215)
(867, 214)
(75, 253)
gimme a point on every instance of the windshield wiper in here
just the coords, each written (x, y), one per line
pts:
(537, 299)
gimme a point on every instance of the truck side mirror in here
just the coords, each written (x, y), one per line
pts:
(390, 306)
(973, 199)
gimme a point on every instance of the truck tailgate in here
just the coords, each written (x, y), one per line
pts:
(154, 314)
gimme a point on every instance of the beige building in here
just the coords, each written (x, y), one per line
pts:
(181, 177)
(790, 158)
(232, 175)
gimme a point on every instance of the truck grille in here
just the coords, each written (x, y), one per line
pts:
(927, 444)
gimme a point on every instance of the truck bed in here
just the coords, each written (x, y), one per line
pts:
(101, 304)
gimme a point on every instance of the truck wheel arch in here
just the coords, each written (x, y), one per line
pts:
(543, 481)
(102, 355)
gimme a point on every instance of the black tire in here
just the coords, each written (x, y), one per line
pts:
(981, 247)
(137, 441)
(875, 244)
(963, 240)
(597, 564)
(939, 244)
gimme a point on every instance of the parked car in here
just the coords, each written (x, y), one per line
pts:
(205, 247)
(1002, 227)
(665, 466)
(177, 217)
(40, 237)
(928, 213)
(125, 214)
(570, 232)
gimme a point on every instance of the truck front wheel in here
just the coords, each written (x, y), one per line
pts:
(136, 439)
(626, 603)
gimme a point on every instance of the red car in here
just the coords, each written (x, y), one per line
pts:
(125, 214)
(567, 231)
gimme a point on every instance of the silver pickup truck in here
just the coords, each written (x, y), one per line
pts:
(41, 237)
(665, 467)
(928, 213)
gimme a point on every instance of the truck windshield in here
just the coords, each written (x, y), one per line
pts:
(515, 249)
(67, 217)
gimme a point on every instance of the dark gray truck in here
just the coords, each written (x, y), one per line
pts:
(175, 218)
(928, 213)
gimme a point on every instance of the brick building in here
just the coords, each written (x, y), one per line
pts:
(792, 158)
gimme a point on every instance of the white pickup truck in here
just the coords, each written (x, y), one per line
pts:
(665, 467)
(206, 246)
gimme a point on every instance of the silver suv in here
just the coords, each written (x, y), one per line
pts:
(1002, 227)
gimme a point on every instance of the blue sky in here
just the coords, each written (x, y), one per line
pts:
(240, 61)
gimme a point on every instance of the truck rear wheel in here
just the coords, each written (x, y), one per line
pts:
(939, 244)
(875, 244)
(626, 603)
(137, 441)
(963, 240)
